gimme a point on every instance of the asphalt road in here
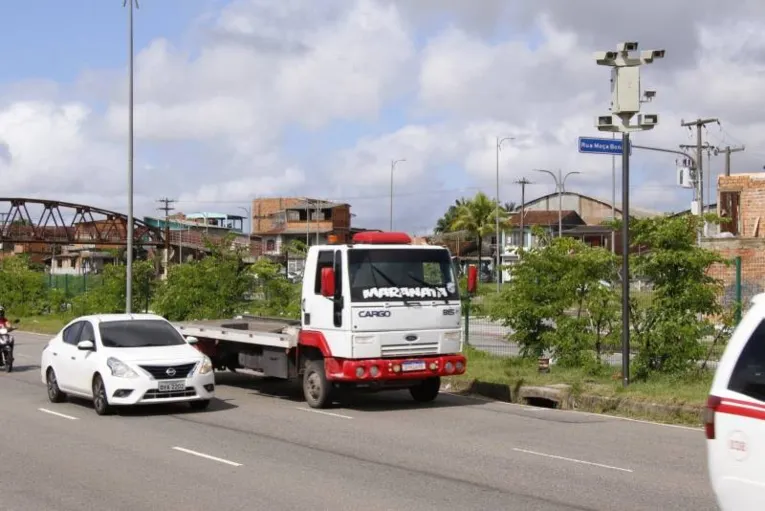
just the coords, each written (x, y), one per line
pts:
(260, 447)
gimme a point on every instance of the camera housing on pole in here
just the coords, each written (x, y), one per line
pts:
(626, 98)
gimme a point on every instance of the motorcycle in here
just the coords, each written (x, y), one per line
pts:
(6, 348)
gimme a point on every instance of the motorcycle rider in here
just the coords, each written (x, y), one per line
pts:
(4, 323)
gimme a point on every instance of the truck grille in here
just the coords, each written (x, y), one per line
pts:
(160, 372)
(406, 350)
(155, 394)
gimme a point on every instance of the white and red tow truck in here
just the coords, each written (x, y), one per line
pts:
(378, 313)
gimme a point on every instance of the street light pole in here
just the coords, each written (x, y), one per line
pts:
(497, 247)
(625, 104)
(560, 184)
(392, 168)
(129, 266)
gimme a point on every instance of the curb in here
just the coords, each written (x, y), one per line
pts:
(561, 397)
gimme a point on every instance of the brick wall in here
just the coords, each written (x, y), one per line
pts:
(751, 189)
(262, 209)
(752, 253)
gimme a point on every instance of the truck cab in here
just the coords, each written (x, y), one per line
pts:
(379, 313)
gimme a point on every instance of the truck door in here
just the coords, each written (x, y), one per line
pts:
(324, 314)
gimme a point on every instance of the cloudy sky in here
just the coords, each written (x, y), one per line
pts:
(243, 98)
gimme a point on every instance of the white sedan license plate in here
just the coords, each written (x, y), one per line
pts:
(171, 386)
(416, 365)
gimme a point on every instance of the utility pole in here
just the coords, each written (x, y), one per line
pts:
(709, 150)
(523, 182)
(129, 248)
(496, 214)
(699, 123)
(167, 208)
(728, 150)
(625, 67)
(392, 168)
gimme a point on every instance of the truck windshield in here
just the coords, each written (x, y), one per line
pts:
(401, 275)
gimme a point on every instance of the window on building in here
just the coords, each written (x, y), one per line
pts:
(270, 245)
(730, 211)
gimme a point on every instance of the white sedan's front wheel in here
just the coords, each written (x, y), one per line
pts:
(100, 401)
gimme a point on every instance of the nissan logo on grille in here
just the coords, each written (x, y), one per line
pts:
(170, 372)
(411, 338)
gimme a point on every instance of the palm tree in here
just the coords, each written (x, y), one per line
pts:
(445, 223)
(478, 217)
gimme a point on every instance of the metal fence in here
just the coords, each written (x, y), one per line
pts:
(73, 285)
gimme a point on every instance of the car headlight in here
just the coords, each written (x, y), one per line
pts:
(205, 366)
(120, 369)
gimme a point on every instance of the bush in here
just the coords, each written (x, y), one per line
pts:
(560, 299)
(22, 290)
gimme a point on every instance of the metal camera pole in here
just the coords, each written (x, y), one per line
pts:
(625, 104)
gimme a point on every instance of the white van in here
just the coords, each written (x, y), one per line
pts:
(735, 417)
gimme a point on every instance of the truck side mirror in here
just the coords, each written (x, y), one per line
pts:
(472, 279)
(327, 282)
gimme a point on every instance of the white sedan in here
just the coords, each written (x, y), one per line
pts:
(125, 360)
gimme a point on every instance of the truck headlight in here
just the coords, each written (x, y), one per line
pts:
(120, 369)
(205, 366)
(455, 336)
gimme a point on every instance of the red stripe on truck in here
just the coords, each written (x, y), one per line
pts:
(314, 339)
(742, 408)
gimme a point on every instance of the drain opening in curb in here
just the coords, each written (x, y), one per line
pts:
(541, 402)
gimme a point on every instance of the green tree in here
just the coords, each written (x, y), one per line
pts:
(276, 296)
(478, 217)
(668, 328)
(109, 297)
(22, 290)
(445, 223)
(213, 287)
(559, 299)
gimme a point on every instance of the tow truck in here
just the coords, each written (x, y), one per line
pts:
(377, 313)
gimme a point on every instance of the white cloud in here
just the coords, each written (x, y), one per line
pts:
(210, 121)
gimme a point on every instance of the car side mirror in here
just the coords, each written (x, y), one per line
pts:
(192, 340)
(86, 346)
(328, 282)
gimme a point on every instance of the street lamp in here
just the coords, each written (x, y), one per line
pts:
(497, 250)
(392, 168)
(249, 216)
(129, 262)
(560, 185)
(625, 104)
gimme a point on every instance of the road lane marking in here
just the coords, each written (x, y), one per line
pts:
(339, 416)
(562, 458)
(64, 416)
(207, 456)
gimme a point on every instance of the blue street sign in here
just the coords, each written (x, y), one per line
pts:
(594, 145)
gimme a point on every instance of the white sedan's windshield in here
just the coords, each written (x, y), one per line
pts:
(139, 333)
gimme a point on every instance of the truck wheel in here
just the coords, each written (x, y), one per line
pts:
(427, 390)
(316, 388)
